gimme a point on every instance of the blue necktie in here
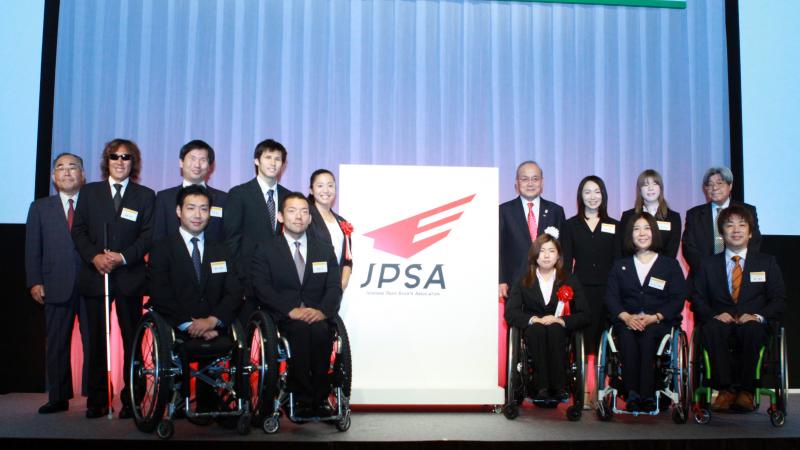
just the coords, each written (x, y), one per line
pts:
(196, 258)
(271, 210)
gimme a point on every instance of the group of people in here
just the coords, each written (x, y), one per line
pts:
(214, 257)
(592, 271)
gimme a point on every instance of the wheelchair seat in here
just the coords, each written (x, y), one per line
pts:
(200, 348)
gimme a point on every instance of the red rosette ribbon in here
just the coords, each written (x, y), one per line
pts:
(564, 295)
(347, 229)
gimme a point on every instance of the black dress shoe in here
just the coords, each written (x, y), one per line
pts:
(94, 412)
(303, 411)
(542, 396)
(647, 405)
(561, 395)
(126, 412)
(324, 411)
(54, 407)
(632, 402)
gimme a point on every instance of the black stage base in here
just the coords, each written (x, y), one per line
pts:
(22, 427)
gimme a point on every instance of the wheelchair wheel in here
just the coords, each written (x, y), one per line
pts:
(696, 377)
(262, 338)
(150, 384)
(343, 366)
(165, 429)
(605, 405)
(515, 389)
(576, 374)
(777, 413)
(680, 378)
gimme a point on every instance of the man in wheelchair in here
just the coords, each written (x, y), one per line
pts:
(735, 295)
(296, 280)
(193, 287)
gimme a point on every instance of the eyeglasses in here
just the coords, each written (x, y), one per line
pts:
(718, 184)
(124, 156)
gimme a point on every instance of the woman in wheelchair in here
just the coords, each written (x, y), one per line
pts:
(547, 303)
(645, 297)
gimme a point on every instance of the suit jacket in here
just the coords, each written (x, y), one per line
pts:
(320, 231)
(132, 238)
(515, 239)
(278, 288)
(246, 223)
(50, 256)
(710, 294)
(524, 302)
(167, 223)
(625, 293)
(670, 239)
(593, 252)
(175, 291)
(698, 235)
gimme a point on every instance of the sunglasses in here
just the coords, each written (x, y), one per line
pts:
(124, 157)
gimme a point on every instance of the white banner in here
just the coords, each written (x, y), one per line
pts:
(421, 305)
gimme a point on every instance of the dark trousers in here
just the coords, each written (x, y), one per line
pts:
(749, 338)
(595, 297)
(129, 311)
(547, 347)
(637, 352)
(59, 321)
(311, 346)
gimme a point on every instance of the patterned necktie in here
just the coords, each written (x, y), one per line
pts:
(271, 209)
(736, 278)
(196, 258)
(532, 227)
(117, 196)
(719, 245)
(70, 214)
(299, 263)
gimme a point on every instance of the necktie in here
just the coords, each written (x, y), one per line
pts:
(736, 278)
(299, 264)
(117, 196)
(70, 214)
(196, 258)
(532, 228)
(271, 209)
(719, 245)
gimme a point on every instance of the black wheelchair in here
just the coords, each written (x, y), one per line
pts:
(160, 375)
(772, 375)
(672, 377)
(520, 376)
(270, 358)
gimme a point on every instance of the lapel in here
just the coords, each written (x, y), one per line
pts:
(108, 200)
(57, 210)
(209, 255)
(707, 227)
(288, 255)
(544, 213)
(722, 273)
(261, 201)
(634, 275)
(518, 213)
(750, 263)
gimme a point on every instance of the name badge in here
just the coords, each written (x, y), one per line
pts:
(657, 283)
(664, 226)
(216, 211)
(758, 277)
(129, 214)
(320, 267)
(219, 267)
(609, 228)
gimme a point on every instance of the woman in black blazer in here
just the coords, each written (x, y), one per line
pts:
(328, 226)
(545, 304)
(650, 198)
(592, 241)
(644, 298)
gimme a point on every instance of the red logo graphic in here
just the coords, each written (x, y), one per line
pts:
(398, 238)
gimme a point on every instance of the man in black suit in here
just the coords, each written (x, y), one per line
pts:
(196, 160)
(701, 236)
(251, 211)
(126, 209)
(193, 282)
(521, 220)
(736, 293)
(296, 279)
(52, 265)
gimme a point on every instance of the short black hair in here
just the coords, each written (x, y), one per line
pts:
(192, 189)
(735, 210)
(269, 145)
(297, 195)
(627, 239)
(197, 144)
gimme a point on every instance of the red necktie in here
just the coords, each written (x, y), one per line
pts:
(70, 214)
(532, 222)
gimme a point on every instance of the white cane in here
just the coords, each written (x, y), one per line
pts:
(106, 291)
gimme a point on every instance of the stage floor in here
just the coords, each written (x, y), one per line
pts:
(19, 421)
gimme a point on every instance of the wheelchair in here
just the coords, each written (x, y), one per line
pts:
(772, 374)
(671, 380)
(270, 358)
(160, 374)
(520, 375)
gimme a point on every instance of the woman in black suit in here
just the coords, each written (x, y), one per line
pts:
(644, 298)
(328, 226)
(650, 199)
(592, 242)
(545, 304)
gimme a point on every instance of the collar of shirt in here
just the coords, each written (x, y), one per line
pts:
(546, 285)
(265, 187)
(535, 202)
(124, 183)
(65, 201)
(187, 240)
(303, 244)
(187, 183)
(723, 206)
(729, 254)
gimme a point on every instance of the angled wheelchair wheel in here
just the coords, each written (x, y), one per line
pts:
(680, 377)
(778, 412)
(605, 404)
(148, 377)
(261, 337)
(701, 409)
(515, 389)
(343, 365)
(576, 375)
